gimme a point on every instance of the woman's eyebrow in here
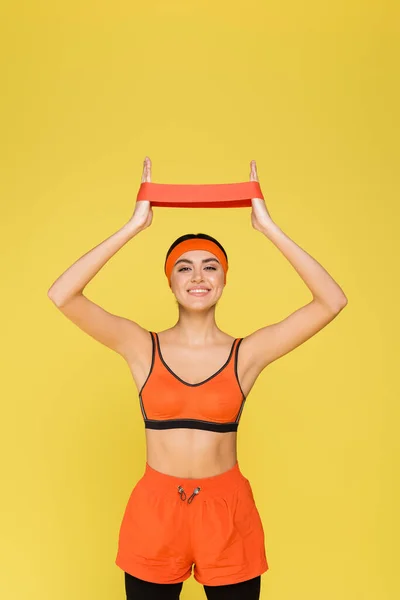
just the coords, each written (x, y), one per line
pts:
(205, 260)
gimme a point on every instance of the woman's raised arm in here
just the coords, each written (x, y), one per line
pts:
(66, 292)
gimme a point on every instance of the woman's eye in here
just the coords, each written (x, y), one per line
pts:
(207, 267)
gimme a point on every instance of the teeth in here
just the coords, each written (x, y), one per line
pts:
(198, 291)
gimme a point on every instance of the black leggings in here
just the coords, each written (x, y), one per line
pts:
(137, 589)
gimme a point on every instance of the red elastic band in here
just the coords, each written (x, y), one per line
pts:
(220, 195)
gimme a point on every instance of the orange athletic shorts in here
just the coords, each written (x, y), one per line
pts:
(172, 523)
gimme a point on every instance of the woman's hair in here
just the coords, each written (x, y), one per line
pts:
(189, 236)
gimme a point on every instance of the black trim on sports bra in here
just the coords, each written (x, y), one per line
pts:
(190, 424)
(153, 354)
(201, 382)
(236, 366)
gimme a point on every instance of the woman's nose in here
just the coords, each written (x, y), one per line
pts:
(197, 275)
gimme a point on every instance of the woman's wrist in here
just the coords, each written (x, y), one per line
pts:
(131, 228)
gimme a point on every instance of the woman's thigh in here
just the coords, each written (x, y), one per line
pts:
(244, 590)
(138, 589)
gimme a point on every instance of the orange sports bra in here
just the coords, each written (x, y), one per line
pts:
(169, 402)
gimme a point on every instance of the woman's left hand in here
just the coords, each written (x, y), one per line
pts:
(260, 217)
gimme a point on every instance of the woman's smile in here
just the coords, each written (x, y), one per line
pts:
(199, 291)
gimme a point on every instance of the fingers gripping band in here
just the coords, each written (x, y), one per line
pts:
(220, 195)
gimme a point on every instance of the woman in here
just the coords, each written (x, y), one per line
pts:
(193, 505)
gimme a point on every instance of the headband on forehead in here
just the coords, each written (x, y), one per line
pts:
(220, 195)
(194, 244)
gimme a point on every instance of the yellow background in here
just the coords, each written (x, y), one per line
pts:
(310, 90)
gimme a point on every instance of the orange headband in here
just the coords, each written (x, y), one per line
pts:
(194, 244)
(220, 195)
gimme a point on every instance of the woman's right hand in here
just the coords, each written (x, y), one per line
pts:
(143, 213)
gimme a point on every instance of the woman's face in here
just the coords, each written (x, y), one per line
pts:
(197, 269)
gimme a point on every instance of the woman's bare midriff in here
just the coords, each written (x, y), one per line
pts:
(190, 452)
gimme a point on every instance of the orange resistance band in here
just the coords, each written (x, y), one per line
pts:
(194, 244)
(220, 195)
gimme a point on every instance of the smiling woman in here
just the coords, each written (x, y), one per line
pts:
(193, 505)
(191, 241)
(199, 272)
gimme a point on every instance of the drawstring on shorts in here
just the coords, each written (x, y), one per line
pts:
(182, 493)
